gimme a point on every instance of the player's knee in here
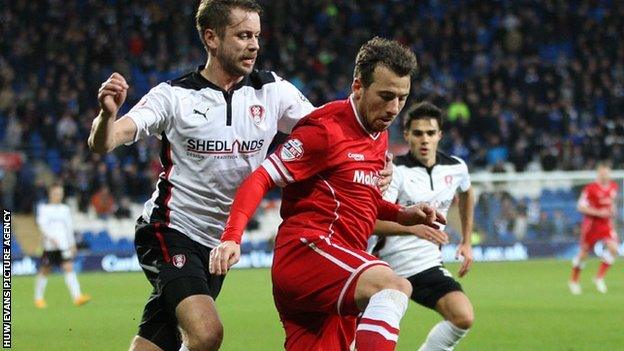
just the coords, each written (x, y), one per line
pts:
(207, 339)
(463, 320)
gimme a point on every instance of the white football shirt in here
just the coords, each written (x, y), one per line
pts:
(211, 141)
(55, 223)
(413, 183)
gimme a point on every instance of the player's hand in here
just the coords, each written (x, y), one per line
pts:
(112, 94)
(73, 250)
(223, 257)
(421, 214)
(386, 174)
(436, 236)
(465, 251)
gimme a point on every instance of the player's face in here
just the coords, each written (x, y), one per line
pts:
(380, 103)
(423, 137)
(56, 195)
(604, 174)
(237, 50)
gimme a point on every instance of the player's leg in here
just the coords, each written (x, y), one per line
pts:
(71, 280)
(383, 297)
(578, 263)
(200, 323)
(458, 318)
(158, 330)
(608, 257)
(41, 281)
(183, 294)
(436, 289)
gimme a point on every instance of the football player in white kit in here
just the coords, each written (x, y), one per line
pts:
(59, 246)
(216, 124)
(427, 175)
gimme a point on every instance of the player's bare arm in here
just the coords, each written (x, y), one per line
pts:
(466, 212)
(106, 132)
(596, 212)
(420, 214)
(436, 236)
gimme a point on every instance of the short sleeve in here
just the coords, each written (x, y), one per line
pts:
(392, 193)
(153, 112)
(302, 155)
(464, 183)
(293, 105)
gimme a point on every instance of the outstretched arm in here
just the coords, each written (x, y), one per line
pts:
(436, 236)
(106, 132)
(466, 212)
(247, 199)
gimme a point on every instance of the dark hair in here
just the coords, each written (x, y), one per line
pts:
(388, 53)
(215, 14)
(423, 110)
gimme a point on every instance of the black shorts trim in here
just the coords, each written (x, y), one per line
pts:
(431, 285)
(177, 267)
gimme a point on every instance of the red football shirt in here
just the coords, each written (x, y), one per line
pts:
(598, 196)
(329, 168)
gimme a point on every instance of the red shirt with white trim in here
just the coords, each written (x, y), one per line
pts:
(329, 169)
(598, 196)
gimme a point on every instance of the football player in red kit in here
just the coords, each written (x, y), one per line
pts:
(323, 278)
(598, 206)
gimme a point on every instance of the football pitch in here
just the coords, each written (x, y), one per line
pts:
(518, 306)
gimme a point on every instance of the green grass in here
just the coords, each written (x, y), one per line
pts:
(518, 306)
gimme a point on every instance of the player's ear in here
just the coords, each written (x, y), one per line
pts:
(357, 87)
(211, 39)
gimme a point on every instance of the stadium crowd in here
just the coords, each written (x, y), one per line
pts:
(526, 87)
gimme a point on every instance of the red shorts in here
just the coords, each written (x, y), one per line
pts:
(590, 235)
(314, 282)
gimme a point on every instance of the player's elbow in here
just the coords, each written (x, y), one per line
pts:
(97, 148)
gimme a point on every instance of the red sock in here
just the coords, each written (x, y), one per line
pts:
(602, 270)
(374, 335)
(576, 272)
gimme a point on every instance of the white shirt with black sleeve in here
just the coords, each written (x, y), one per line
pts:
(413, 183)
(211, 141)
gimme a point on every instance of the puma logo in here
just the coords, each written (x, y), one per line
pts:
(195, 111)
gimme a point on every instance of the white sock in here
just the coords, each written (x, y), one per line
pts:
(387, 306)
(71, 280)
(443, 337)
(184, 348)
(607, 257)
(576, 262)
(40, 285)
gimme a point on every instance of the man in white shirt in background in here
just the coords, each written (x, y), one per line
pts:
(426, 175)
(59, 246)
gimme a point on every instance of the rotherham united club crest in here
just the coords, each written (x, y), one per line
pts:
(448, 180)
(179, 260)
(257, 114)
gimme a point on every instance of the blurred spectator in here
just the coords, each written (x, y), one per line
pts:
(103, 202)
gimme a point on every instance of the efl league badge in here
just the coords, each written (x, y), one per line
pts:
(292, 150)
(448, 180)
(257, 114)
(179, 260)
